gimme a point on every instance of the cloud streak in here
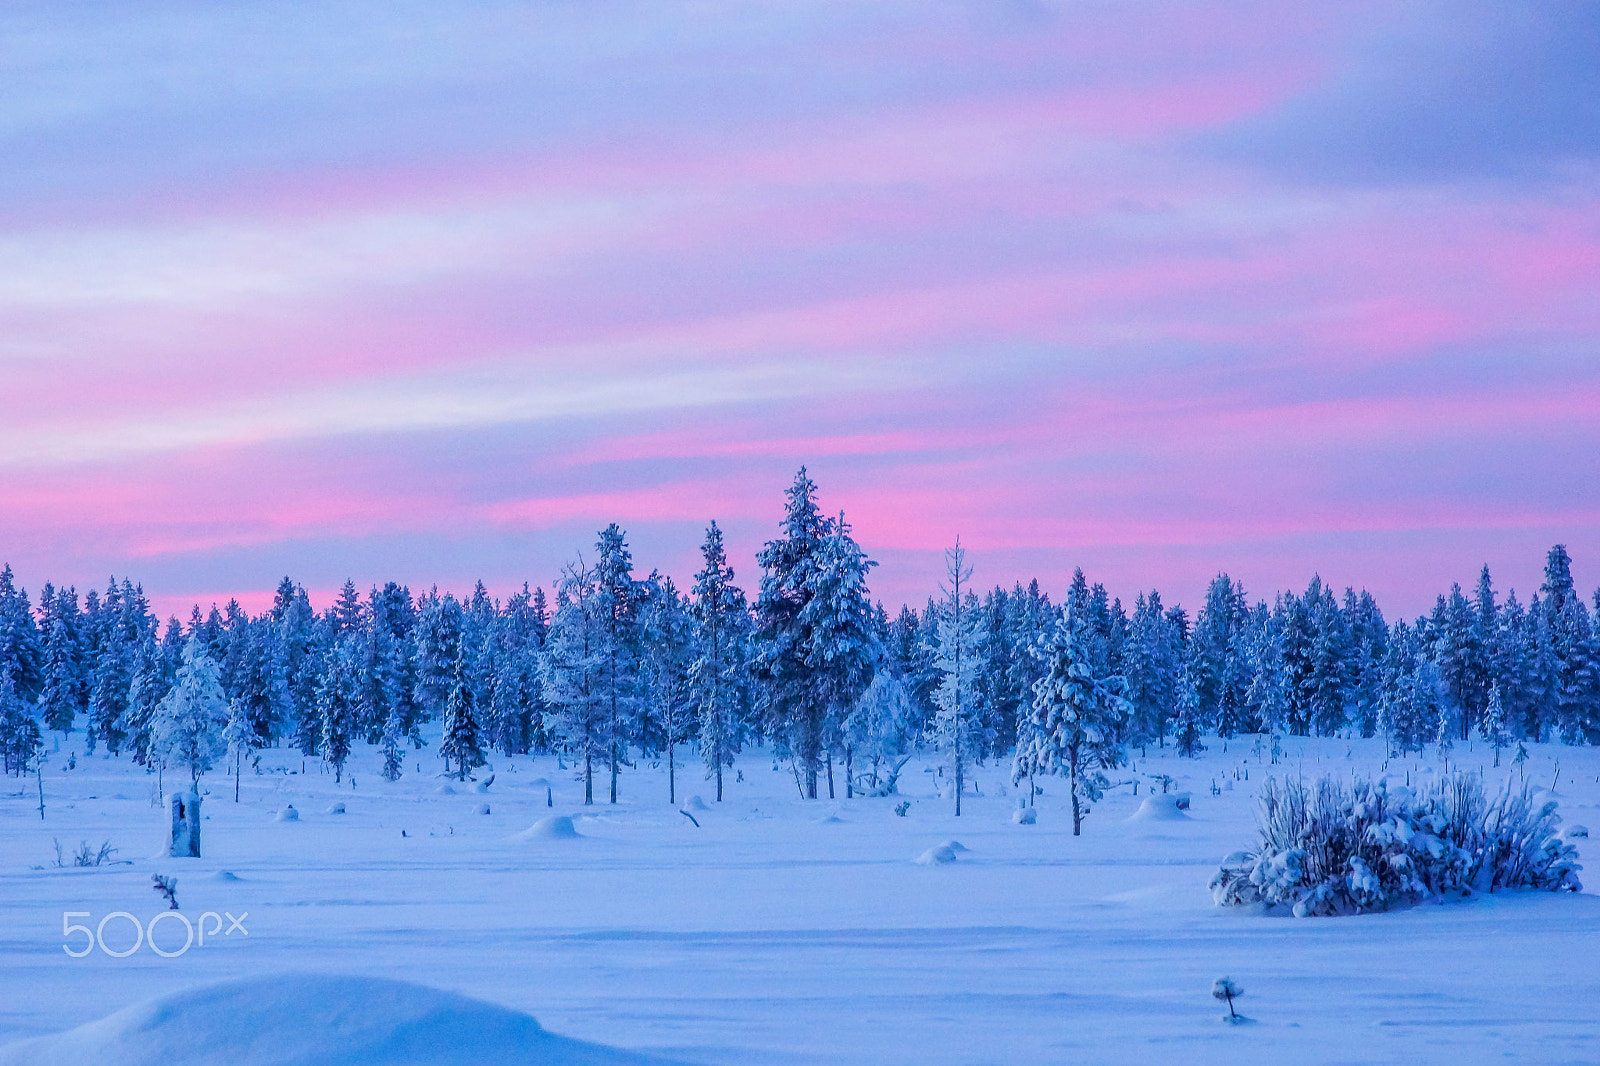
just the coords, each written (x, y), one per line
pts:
(1160, 288)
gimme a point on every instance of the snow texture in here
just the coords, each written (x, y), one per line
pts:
(312, 1020)
(764, 938)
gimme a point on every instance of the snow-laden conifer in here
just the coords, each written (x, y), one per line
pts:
(1076, 724)
(878, 734)
(719, 677)
(189, 723)
(572, 671)
(958, 724)
(462, 739)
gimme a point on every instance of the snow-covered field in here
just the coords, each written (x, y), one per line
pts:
(777, 930)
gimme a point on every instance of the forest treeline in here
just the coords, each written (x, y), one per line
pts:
(615, 666)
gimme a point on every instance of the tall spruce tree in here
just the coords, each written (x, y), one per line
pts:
(719, 678)
(959, 719)
(1077, 719)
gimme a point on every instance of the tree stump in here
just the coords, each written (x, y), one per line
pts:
(185, 825)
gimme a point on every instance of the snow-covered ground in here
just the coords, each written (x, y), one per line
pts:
(779, 930)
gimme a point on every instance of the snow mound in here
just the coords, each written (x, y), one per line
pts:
(288, 814)
(446, 790)
(697, 804)
(312, 1020)
(1024, 816)
(225, 875)
(1575, 832)
(337, 808)
(830, 819)
(1159, 809)
(554, 827)
(482, 808)
(943, 853)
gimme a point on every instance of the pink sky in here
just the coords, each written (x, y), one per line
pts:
(1156, 289)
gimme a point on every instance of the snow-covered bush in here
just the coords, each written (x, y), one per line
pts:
(1331, 849)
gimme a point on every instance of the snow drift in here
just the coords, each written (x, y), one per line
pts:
(1159, 809)
(554, 827)
(312, 1020)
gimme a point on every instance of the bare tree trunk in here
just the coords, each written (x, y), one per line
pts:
(588, 778)
(811, 780)
(849, 774)
(958, 784)
(1072, 780)
(830, 775)
(672, 784)
(613, 772)
(718, 761)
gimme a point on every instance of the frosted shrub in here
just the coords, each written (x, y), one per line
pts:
(1330, 849)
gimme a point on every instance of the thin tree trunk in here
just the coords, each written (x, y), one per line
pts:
(849, 774)
(811, 780)
(830, 775)
(718, 760)
(613, 772)
(588, 779)
(1072, 780)
(672, 785)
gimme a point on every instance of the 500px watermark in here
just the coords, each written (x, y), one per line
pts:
(194, 933)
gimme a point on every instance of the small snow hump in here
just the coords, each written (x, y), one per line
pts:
(287, 814)
(554, 827)
(1024, 816)
(337, 808)
(942, 853)
(482, 808)
(1159, 809)
(306, 1019)
(697, 804)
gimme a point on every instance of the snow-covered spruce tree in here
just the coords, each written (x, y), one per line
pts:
(719, 678)
(571, 671)
(816, 640)
(108, 698)
(788, 693)
(261, 684)
(189, 724)
(878, 733)
(1493, 723)
(618, 648)
(667, 645)
(462, 739)
(1188, 722)
(1151, 661)
(1077, 720)
(958, 723)
(62, 696)
(239, 739)
(437, 647)
(844, 643)
(21, 653)
(336, 702)
(20, 739)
